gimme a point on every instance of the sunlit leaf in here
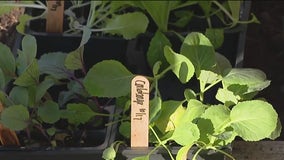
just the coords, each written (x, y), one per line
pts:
(253, 120)
(180, 65)
(103, 77)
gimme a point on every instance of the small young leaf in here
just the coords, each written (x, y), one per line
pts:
(156, 68)
(186, 134)
(253, 120)
(15, 117)
(109, 153)
(227, 97)
(29, 47)
(199, 50)
(208, 77)
(53, 64)
(128, 25)
(49, 112)
(77, 113)
(74, 60)
(180, 65)
(156, 50)
(103, 77)
(30, 76)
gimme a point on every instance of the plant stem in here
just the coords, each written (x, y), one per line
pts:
(196, 154)
(223, 152)
(161, 143)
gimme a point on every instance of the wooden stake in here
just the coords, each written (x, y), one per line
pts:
(139, 112)
(54, 19)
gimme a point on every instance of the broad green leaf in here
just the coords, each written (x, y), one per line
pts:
(109, 153)
(194, 110)
(156, 50)
(159, 12)
(227, 97)
(155, 107)
(108, 78)
(42, 88)
(53, 64)
(15, 117)
(74, 60)
(180, 65)
(77, 113)
(124, 129)
(253, 120)
(128, 25)
(23, 19)
(2, 80)
(219, 115)
(186, 134)
(225, 137)
(254, 79)
(30, 76)
(182, 152)
(208, 77)
(171, 116)
(189, 94)
(49, 112)
(199, 50)
(223, 64)
(19, 96)
(216, 36)
(7, 61)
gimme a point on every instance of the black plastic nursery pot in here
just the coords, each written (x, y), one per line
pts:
(161, 154)
(102, 138)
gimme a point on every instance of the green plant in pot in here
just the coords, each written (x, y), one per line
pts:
(194, 124)
(175, 19)
(46, 103)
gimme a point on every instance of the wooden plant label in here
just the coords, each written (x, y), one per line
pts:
(54, 19)
(139, 111)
